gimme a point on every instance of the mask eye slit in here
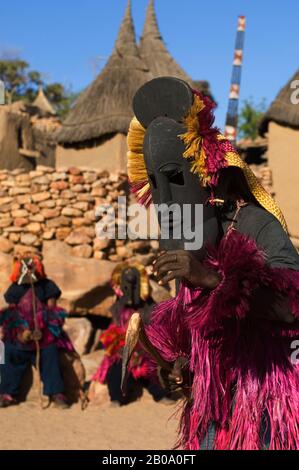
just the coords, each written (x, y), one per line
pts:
(177, 178)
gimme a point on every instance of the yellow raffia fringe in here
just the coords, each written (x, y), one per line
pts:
(136, 166)
(258, 191)
(193, 141)
(137, 170)
(144, 282)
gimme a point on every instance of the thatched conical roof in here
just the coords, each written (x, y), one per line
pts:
(283, 110)
(154, 52)
(42, 102)
(105, 107)
(156, 56)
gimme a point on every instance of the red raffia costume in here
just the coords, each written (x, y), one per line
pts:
(32, 330)
(113, 339)
(18, 317)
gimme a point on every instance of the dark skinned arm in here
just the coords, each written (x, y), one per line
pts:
(183, 265)
(265, 304)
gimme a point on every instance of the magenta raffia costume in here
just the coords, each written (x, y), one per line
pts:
(239, 337)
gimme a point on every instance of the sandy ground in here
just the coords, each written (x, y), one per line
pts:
(144, 425)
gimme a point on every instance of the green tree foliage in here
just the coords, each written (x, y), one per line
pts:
(61, 98)
(250, 118)
(13, 74)
(21, 83)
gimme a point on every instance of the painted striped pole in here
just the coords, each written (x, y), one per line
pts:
(231, 124)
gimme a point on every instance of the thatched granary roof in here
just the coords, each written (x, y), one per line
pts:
(42, 102)
(156, 56)
(282, 110)
(105, 107)
(154, 51)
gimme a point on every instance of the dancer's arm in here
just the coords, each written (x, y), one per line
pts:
(182, 264)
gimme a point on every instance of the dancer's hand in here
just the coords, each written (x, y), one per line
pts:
(182, 264)
(178, 377)
(36, 335)
(24, 336)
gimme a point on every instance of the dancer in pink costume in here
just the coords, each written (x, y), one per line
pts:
(230, 332)
(131, 286)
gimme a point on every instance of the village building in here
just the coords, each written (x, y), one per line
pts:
(27, 134)
(94, 133)
(156, 56)
(43, 104)
(254, 153)
(281, 124)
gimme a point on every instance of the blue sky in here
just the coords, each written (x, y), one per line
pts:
(61, 38)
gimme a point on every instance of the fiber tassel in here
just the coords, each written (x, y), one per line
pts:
(244, 382)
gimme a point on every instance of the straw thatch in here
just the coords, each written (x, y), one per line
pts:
(154, 51)
(105, 108)
(282, 110)
(156, 56)
(42, 102)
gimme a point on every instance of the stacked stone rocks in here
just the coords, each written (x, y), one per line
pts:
(264, 175)
(46, 204)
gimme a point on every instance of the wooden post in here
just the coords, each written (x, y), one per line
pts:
(231, 125)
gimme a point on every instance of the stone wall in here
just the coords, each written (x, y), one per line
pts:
(264, 174)
(44, 205)
(53, 212)
(47, 205)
